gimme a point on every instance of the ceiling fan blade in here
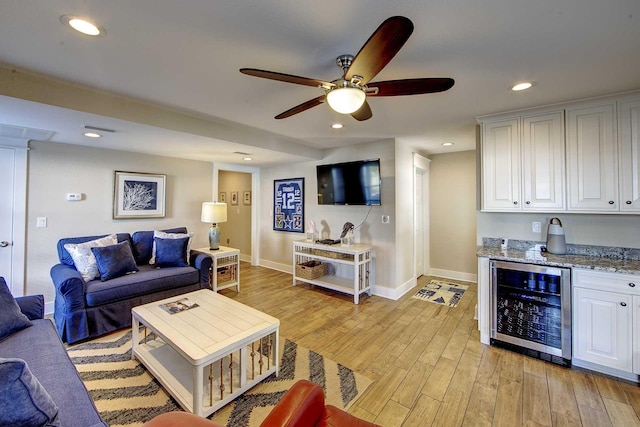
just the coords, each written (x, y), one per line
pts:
(364, 113)
(302, 107)
(288, 78)
(381, 47)
(411, 86)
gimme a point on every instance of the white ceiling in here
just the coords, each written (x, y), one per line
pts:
(185, 55)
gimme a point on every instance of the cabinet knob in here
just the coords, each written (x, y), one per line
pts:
(528, 202)
(628, 202)
(611, 202)
(515, 202)
(624, 304)
(632, 285)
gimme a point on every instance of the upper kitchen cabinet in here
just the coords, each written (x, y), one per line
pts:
(592, 158)
(629, 145)
(523, 163)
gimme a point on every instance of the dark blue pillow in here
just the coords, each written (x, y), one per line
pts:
(11, 318)
(23, 400)
(114, 260)
(171, 252)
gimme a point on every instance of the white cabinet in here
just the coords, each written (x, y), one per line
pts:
(349, 272)
(605, 308)
(629, 145)
(592, 158)
(523, 163)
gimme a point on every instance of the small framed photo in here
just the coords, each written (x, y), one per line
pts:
(138, 195)
(223, 197)
(246, 197)
(234, 197)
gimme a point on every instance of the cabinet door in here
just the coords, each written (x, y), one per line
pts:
(629, 144)
(543, 162)
(602, 328)
(501, 166)
(592, 158)
(636, 335)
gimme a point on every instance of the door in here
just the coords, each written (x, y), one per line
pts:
(592, 158)
(7, 166)
(629, 136)
(603, 323)
(501, 169)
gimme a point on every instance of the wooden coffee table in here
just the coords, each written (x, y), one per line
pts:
(208, 355)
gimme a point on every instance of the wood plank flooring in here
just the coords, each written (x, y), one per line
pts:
(427, 362)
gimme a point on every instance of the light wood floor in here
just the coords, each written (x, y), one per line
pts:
(427, 362)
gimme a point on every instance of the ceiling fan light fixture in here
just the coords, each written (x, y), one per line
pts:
(346, 100)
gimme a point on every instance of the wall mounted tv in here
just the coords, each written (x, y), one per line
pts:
(350, 183)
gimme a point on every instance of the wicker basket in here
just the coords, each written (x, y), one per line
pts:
(311, 270)
(224, 274)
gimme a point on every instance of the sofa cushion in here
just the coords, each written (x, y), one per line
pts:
(11, 317)
(65, 257)
(146, 281)
(164, 235)
(171, 252)
(143, 243)
(83, 258)
(23, 400)
(115, 260)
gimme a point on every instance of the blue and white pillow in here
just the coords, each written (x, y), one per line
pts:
(84, 260)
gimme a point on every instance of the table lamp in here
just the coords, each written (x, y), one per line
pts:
(214, 213)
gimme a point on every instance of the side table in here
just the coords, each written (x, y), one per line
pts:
(225, 268)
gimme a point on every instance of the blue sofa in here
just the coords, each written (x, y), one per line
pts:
(40, 347)
(86, 310)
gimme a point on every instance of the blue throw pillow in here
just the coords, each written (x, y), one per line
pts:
(11, 318)
(114, 260)
(23, 400)
(171, 252)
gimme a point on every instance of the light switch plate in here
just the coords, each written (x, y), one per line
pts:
(41, 222)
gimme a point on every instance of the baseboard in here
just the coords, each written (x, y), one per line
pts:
(48, 308)
(456, 275)
(245, 258)
(397, 293)
(606, 370)
(285, 268)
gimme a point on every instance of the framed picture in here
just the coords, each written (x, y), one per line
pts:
(234, 197)
(223, 197)
(246, 197)
(138, 195)
(288, 205)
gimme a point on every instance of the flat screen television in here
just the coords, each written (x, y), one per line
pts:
(349, 183)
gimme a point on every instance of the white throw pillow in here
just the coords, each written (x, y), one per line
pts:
(83, 258)
(163, 235)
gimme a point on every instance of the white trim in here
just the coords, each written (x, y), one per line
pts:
(455, 275)
(606, 370)
(397, 293)
(48, 308)
(285, 268)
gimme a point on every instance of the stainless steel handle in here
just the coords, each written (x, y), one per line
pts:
(4, 244)
(624, 304)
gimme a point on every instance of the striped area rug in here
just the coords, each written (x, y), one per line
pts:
(126, 394)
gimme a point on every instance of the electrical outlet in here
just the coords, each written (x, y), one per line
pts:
(535, 227)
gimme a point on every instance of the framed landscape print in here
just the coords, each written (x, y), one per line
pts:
(288, 205)
(138, 195)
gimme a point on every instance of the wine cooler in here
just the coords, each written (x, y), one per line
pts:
(531, 310)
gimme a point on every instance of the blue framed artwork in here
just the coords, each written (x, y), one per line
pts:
(288, 205)
(138, 195)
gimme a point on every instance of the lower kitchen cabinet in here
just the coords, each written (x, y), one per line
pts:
(606, 317)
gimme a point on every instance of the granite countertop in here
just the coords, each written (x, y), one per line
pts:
(592, 262)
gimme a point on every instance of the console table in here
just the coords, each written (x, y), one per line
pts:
(226, 263)
(352, 264)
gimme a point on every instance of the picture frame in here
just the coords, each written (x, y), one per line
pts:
(246, 197)
(138, 195)
(234, 197)
(223, 197)
(288, 205)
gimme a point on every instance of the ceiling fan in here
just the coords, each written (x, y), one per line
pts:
(347, 95)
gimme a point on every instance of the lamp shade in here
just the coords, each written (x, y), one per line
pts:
(346, 100)
(214, 212)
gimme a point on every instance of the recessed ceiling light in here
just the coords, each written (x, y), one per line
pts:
(521, 86)
(447, 144)
(247, 159)
(83, 25)
(337, 126)
(92, 135)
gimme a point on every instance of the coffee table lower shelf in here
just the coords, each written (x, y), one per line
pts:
(179, 377)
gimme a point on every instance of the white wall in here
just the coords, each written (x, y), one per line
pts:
(276, 246)
(57, 169)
